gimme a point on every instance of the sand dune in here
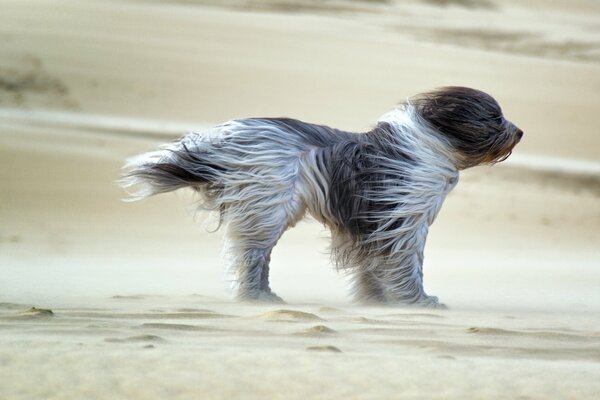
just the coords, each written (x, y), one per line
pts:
(103, 299)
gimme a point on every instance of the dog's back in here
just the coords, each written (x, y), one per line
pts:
(254, 162)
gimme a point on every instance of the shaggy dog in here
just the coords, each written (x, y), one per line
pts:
(378, 191)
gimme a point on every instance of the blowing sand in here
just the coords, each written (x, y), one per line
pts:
(105, 299)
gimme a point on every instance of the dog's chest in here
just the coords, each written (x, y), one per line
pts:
(437, 193)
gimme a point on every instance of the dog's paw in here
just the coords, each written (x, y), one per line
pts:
(439, 306)
(269, 297)
(431, 302)
(261, 297)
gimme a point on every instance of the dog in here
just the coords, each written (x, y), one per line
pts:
(378, 191)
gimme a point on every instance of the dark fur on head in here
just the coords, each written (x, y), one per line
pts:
(471, 121)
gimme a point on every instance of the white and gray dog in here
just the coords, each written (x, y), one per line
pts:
(377, 191)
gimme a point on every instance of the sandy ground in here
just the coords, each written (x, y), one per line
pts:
(198, 347)
(140, 300)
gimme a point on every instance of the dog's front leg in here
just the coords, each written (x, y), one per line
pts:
(403, 283)
(397, 277)
(368, 288)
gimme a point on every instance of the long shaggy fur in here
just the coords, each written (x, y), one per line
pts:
(377, 191)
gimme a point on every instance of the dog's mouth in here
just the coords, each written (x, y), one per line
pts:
(514, 139)
(504, 157)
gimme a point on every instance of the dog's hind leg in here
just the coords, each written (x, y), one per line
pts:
(250, 240)
(252, 275)
(249, 263)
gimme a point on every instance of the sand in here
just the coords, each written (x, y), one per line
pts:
(194, 346)
(105, 299)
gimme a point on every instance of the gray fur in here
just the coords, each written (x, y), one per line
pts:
(377, 191)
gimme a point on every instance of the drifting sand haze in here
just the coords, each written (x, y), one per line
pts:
(514, 252)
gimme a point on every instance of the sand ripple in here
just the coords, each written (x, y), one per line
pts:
(288, 316)
(137, 338)
(533, 334)
(317, 330)
(205, 314)
(177, 327)
(329, 349)
(32, 313)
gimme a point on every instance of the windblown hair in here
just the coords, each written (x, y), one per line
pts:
(377, 191)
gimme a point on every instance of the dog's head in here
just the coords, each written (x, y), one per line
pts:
(471, 121)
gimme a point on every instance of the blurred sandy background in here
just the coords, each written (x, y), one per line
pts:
(140, 299)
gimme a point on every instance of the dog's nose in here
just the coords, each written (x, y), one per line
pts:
(519, 134)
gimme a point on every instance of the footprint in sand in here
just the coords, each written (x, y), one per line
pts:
(288, 316)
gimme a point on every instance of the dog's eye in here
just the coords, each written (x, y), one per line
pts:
(498, 118)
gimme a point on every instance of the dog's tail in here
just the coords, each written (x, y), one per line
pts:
(185, 163)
